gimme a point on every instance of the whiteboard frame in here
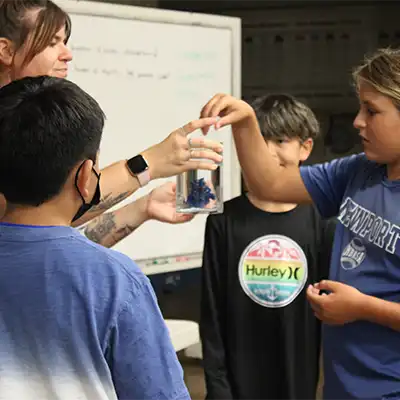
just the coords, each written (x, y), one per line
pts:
(177, 18)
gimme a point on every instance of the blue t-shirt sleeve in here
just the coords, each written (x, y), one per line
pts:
(326, 183)
(142, 359)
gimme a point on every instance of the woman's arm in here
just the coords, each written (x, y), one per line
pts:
(108, 229)
(172, 156)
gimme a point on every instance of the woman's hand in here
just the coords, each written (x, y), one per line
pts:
(161, 205)
(177, 153)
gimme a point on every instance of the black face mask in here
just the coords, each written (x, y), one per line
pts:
(96, 197)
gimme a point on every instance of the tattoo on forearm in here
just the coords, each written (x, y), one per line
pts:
(105, 231)
(109, 201)
(101, 228)
(123, 232)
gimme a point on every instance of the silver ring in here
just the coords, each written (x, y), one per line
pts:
(190, 142)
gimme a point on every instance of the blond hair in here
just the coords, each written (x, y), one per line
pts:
(381, 70)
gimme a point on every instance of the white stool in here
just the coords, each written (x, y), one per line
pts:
(183, 333)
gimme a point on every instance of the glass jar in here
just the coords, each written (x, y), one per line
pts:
(200, 191)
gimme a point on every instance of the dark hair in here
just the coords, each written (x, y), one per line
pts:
(47, 126)
(41, 18)
(281, 116)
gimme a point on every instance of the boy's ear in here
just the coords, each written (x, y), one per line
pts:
(6, 51)
(306, 149)
(84, 178)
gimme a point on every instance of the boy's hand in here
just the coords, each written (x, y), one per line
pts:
(229, 109)
(342, 305)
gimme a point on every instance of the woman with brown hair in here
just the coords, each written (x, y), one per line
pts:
(33, 41)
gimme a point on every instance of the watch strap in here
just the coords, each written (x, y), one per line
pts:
(142, 174)
(143, 177)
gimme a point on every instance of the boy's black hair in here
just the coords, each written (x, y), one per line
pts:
(47, 126)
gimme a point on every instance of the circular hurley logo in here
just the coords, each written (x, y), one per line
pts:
(273, 270)
(353, 254)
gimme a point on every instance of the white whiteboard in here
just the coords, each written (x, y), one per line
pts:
(152, 71)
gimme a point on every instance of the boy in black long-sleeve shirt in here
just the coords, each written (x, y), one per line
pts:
(259, 335)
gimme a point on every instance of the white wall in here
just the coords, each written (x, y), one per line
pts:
(320, 46)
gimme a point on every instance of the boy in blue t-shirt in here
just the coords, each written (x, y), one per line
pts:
(77, 320)
(360, 306)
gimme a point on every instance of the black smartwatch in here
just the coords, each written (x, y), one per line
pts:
(139, 168)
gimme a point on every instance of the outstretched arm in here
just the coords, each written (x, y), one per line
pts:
(264, 175)
(171, 157)
(324, 184)
(109, 228)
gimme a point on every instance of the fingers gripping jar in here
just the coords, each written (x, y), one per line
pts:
(200, 191)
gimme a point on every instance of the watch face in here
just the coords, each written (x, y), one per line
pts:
(137, 164)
